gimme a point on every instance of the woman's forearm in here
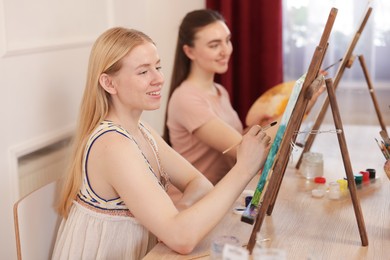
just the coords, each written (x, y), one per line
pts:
(194, 191)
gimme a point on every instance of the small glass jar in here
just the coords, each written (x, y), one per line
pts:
(334, 191)
(312, 165)
(262, 253)
(218, 244)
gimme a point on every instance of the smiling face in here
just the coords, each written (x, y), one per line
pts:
(212, 48)
(137, 85)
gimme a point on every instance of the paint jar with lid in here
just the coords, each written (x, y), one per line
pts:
(321, 187)
(312, 165)
(372, 173)
(343, 185)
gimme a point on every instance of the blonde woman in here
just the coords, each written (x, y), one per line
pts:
(114, 202)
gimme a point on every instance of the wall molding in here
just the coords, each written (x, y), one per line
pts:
(54, 44)
(44, 47)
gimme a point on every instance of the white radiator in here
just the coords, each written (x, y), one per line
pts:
(39, 161)
(43, 166)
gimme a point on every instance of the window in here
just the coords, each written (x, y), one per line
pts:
(304, 22)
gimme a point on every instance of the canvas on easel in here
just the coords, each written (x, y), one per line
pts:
(276, 163)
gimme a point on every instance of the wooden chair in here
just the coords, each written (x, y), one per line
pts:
(36, 223)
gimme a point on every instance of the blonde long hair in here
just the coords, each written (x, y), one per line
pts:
(106, 57)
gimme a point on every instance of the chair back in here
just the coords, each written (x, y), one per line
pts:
(36, 223)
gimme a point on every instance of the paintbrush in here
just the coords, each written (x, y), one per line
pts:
(383, 150)
(263, 128)
(331, 65)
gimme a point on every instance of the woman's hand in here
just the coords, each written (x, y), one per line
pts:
(253, 150)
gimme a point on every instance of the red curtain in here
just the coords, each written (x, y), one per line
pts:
(256, 64)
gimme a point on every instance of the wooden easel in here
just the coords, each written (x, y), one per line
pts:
(275, 178)
(347, 62)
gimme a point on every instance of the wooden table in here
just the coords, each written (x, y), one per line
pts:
(318, 228)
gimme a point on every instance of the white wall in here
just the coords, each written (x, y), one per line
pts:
(44, 47)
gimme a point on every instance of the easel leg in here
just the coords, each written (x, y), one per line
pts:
(347, 162)
(372, 92)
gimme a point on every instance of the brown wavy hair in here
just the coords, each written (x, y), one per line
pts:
(190, 25)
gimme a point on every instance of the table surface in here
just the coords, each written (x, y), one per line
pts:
(317, 228)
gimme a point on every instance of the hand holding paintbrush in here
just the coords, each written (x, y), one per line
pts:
(263, 128)
(383, 149)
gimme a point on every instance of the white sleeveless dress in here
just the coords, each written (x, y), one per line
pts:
(104, 229)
